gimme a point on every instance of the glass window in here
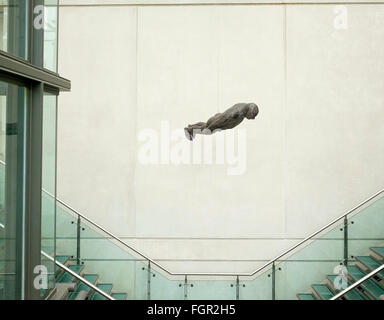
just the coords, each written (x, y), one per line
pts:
(12, 137)
(50, 35)
(13, 27)
(48, 204)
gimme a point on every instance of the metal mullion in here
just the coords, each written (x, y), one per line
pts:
(55, 203)
(33, 189)
(33, 218)
(37, 38)
(30, 30)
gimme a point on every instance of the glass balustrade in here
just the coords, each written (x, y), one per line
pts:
(162, 287)
(257, 288)
(102, 255)
(283, 278)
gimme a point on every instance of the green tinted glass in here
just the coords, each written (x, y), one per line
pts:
(12, 166)
(13, 27)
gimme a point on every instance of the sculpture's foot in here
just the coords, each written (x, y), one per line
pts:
(188, 135)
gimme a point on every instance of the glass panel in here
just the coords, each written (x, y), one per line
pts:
(12, 137)
(66, 233)
(111, 261)
(259, 288)
(218, 289)
(164, 289)
(310, 265)
(13, 27)
(50, 34)
(48, 206)
(366, 229)
(321, 256)
(293, 277)
(100, 255)
(103, 256)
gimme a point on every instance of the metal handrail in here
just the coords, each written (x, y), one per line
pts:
(78, 277)
(357, 283)
(221, 274)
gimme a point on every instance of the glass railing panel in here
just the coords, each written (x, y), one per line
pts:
(366, 229)
(48, 240)
(112, 261)
(102, 255)
(47, 224)
(293, 277)
(212, 289)
(321, 256)
(310, 264)
(162, 288)
(259, 288)
(140, 290)
(66, 233)
(294, 273)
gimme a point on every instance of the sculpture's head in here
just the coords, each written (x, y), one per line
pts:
(253, 111)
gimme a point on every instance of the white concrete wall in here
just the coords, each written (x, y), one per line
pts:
(314, 152)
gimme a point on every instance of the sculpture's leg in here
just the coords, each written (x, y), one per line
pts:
(197, 125)
(194, 129)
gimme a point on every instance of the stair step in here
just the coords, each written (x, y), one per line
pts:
(371, 264)
(63, 259)
(66, 277)
(379, 251)
(92, 278)
(370, 286)
(106, 287)
(351, 295)
(305, 296)
(119, 296)
(323, 291)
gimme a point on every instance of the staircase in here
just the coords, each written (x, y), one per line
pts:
(124, 273)
(69, 288)
(371, 289)
(304, 271)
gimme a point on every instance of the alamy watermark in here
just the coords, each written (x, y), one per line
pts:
(44, 19)
(41, 280)
(341, 280)
(340, 21)
(166, 146)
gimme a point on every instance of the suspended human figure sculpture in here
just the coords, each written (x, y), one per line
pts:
(222, 121)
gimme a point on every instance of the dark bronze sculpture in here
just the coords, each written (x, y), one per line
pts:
(222, 121)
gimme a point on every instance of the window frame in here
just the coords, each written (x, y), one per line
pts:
(31, 74)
